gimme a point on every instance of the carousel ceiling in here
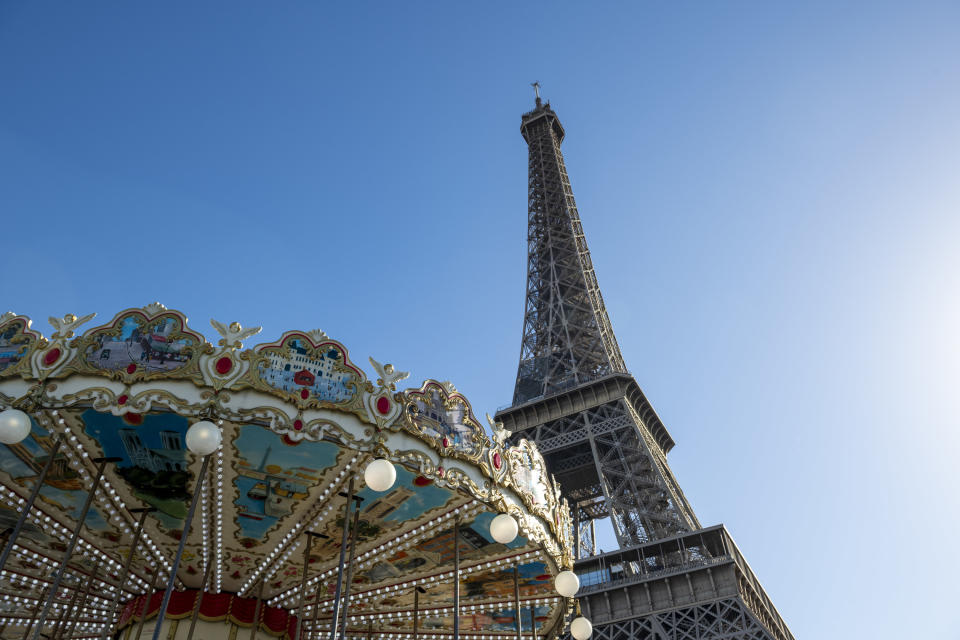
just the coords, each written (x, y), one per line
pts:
(300, 422)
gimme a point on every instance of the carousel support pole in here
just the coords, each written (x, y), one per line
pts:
(148, 596)
(343, 557)
(183, 540)
(416, 609)
(83, 601)
(26, 632)
(593, 535)
(298, 625)
(533, 622)
(112, 611)
(516, 600)
(196, 604)
(55, 587)
(316, 601)
(353, 551)
(57, 623)
(61, 623)
(256, 612)
(303, 586)
(456, 579)
(29, 503)
(316, 611)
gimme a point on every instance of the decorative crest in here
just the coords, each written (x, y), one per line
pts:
(9, 315)
(500, 434)
(233, 335)
(154, 308)
(65, 328)
(446, 417)
(446, 384)
(389, 377)
(318, 335)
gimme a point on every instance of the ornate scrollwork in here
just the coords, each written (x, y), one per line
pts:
(308, 373)
(233, 335)
(64, 328)
(529, 478)
(138, 345)
(16, 343)
(446, 419)
(383, 408)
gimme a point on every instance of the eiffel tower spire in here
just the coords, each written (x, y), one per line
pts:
(567, 337)
(670, 579)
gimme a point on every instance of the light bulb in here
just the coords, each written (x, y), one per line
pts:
(503, 528)
(203, 438)
(581, 629)
(566, 583)
(14, 426)
(380, 474)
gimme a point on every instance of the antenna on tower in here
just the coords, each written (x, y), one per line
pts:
(536, 87)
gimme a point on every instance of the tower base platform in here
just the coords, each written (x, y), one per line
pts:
(695, 586)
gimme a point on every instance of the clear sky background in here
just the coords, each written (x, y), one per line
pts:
(769, 190)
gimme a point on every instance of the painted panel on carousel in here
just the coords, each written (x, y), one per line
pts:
(534, 581)
(505, 620)
(411, 498)
(273, 477)
(154, 458)
(528, 471)
(15, 342)
(303, 369)
(151, 342)
(428, 556)
(63, 488)
(487, 621)
(438, 412)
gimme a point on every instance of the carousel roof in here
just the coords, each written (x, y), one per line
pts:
(300, 422)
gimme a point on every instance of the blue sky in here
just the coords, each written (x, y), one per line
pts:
(769, 192)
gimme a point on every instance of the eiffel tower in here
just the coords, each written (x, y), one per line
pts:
(671, 578)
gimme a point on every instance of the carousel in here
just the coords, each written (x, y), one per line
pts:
(156, 485)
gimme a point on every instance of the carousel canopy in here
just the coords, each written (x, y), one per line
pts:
(300, 423)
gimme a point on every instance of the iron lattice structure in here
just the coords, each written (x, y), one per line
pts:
(606, 445)
(567, 337)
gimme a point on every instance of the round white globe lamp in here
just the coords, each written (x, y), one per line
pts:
(203, 438)
(14, 426)
(567, 583)
(380, 474)
(581, 629)
(503, 528)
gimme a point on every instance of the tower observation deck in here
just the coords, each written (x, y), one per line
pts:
(671, 578)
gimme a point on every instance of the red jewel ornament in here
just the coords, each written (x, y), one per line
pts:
(51, 356)
(122, 399)
(298, 425)
(304, 394)
(224, 365)
(440, 471)
(497, 460)
(131, 368)
(383, 405)
(446, 442)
